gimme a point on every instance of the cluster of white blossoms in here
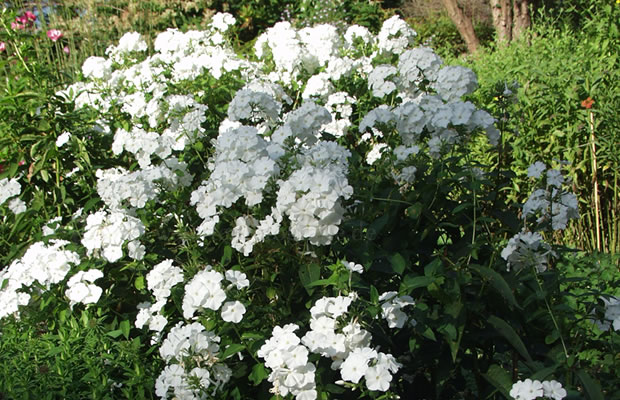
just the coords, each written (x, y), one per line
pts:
(612, 314)
(310, 196)
(291, 372)
(160, 281)
(530, 390)
(11, 188)
(391, 309)
(395, 36)
(194, 367)
(45, 264)
(333, 336)
(81, 287)
(119, 188)
(205, 291)
(550, 204)
(526, 250)
(107, 232)
(240, 168)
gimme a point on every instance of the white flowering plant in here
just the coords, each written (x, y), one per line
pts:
(305, 223)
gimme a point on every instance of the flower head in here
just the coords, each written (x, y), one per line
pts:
(54, 34)
(587, 103)
(2, 47)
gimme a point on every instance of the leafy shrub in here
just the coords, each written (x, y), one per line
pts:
(308, 222)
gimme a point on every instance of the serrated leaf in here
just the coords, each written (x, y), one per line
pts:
(510, 335)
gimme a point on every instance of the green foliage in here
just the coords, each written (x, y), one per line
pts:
(440, 33)
(552, 72)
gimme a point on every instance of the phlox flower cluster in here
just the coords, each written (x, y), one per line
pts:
(254, 106)
(526, 250)
(295, 51)
(81, 287)
(303, 124)
(129, 42)
(310, 197)
(391, 309)
(530, 390)
(194, 369)
(287, 358)
(43, 264)
(160, 281)
(240, 168)
(205, 291)
(10, 188)
(340, 106)
(107, 232)
(395, 36)
(347, 344)
(612, 314)
(550, 204)
(120, 188)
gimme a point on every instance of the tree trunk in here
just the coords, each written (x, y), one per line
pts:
(501, 10)
(520, 17)
(464, 24)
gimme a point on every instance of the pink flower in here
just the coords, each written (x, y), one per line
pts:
(30, 16)
(54, 34)
(2, 46)
(66, 50)
(16, 25)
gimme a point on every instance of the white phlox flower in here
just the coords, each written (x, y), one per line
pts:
(203, 291)
(395, 36)
(232, 311)
(45, 264)
(81, 287)
(107, 232)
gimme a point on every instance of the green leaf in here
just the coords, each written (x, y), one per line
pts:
(398, 263)
(258, 374)
(125, 327)
(232, 349)
(411, 282)
(500, 379)
(226, 257)
(414, 211)
(497, 282)
(374, 295)
(593, 388)
(139, 282)
(510, 335)
(308, 274)
(115, 333)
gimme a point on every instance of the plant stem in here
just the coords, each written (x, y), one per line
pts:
(595, 181)
(555, 323)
